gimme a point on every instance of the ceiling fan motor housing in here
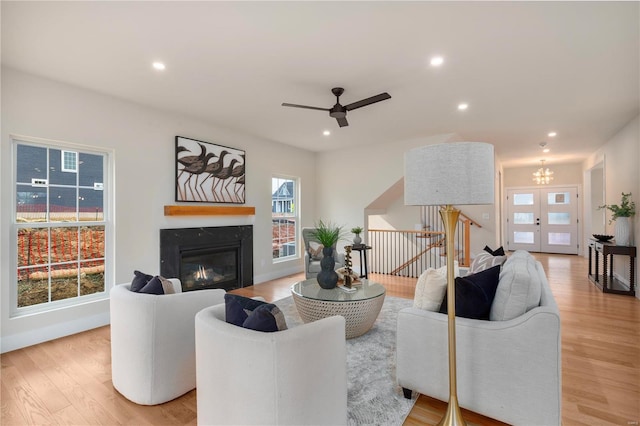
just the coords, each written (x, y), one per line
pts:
(338, 111)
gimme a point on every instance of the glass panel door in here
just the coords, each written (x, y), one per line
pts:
(543, 219)
(559, 224)
(523, 230)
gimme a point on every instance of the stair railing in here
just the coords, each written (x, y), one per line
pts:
(409, 252)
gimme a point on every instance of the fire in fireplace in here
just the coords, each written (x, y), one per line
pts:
(202, 268)
(212, 257)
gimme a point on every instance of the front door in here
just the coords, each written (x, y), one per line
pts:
(543, 219)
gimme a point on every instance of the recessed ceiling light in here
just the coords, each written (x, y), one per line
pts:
(436, 61)
(552, 134)
(463, 106)
(326, 133)
(546, 150)
(159, 66)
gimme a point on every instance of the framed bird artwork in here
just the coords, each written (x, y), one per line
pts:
(209, 173)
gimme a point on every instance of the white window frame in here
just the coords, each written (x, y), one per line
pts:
(107, 221)
(295, 216)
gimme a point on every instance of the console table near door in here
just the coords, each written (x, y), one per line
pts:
(606, 281)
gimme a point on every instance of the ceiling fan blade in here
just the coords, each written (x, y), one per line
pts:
(368, 101)
(342, 121)
(304, 106)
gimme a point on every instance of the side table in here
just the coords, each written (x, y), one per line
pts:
(362, 249)
(607, 282)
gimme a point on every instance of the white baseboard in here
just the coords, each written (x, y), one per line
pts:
(622, 279)
(44, 334)
(257, 279)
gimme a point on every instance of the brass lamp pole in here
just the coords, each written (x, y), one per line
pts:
(453, 416)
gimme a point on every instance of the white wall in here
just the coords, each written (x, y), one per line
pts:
(344, 194)
(343, 197)
(143, 141)
(563, 174)
(621, 156)
(397, 216)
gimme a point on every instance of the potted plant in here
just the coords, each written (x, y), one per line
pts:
(328, 234)
(356, 231)
(621, 215)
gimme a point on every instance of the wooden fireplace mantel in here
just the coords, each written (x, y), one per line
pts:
(209, 211)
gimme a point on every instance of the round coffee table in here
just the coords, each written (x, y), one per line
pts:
(360, 308)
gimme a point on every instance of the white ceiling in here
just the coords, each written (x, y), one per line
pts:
(525, 68)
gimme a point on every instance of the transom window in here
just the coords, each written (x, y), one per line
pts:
(60, 225)
(69, 161)
(284, 217)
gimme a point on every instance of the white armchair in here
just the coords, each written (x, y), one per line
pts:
(291, 377)
(153, 342)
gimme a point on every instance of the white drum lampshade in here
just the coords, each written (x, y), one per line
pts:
(451, 173)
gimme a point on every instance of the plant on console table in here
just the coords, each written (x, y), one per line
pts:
(327, 234)
(621, 215)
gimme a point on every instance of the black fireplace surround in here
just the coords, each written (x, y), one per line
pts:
(211, 257)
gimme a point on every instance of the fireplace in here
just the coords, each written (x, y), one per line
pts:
(212, 257)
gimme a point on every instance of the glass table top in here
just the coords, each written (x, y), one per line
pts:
(310, 289)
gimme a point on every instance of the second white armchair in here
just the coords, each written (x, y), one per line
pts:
(291, 377)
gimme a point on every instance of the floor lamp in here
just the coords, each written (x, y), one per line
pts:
(446, 175)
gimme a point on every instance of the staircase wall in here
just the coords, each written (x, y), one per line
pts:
(350, 190)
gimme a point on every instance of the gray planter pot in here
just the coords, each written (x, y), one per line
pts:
(327, 278)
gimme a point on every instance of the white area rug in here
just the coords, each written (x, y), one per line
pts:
(374, 397)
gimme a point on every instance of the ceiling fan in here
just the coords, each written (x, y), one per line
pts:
(338, 111)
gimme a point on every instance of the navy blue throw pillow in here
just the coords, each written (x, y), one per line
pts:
(475, 294)
(154, 286)
(140, 279)
(264, 318)
(237, 308)
(254, 314)
(497, 252)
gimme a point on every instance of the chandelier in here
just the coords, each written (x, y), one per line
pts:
(543, 176)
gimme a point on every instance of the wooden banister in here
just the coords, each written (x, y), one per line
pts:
(473, 222)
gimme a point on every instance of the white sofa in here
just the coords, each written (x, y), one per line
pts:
(153, 342)
(291, 377)
(509, 370)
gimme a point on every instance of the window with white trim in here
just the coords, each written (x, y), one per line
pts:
(284, 217)
(60, 225)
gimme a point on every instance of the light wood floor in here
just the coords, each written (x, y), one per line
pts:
(68, 380)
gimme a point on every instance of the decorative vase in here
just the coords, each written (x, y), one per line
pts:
(622, 231)
(327, 277)
(357, 240)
